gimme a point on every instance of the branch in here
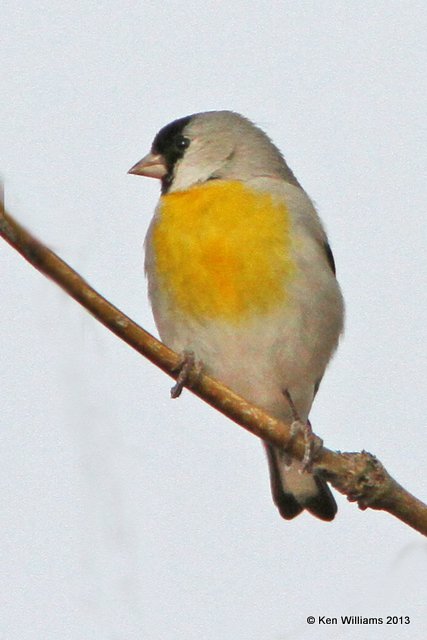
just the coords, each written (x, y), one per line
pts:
(360, 476)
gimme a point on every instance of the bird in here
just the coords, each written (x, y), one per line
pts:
(242, 277)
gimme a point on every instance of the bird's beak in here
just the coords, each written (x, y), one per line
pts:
(152, 166)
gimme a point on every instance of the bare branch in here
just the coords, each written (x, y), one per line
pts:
(360, 476)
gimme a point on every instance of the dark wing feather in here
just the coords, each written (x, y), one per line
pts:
(329, 256)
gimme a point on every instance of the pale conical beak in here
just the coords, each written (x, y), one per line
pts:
(152, 166)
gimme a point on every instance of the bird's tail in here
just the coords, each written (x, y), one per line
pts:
(294, 491)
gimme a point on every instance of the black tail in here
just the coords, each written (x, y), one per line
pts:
(322, 504)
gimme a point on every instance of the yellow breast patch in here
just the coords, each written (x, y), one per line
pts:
(222, 251)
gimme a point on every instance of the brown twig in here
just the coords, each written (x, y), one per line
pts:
(360, 476)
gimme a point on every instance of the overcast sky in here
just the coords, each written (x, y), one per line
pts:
(126, 515)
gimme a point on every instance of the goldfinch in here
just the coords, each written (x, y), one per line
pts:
(240, 274)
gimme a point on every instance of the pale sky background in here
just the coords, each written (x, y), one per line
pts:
(128, 516)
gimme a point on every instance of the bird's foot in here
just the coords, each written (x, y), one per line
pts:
(312, 446)
(188, 371)
(312, 443)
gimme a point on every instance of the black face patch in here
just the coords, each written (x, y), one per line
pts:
(171, 144)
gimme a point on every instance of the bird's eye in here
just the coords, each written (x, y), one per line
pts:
(181, 142)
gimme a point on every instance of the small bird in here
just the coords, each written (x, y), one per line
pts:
(241, 275)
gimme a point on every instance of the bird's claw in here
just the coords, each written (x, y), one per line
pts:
(188, 371)
(312, 443)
